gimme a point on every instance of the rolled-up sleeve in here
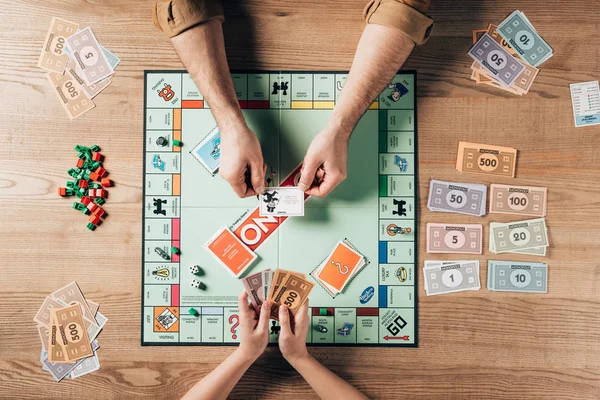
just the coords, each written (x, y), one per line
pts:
(409, 16)
(175, 16)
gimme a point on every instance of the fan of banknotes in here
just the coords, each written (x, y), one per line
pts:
(68, 326)
(79, 67)
(506, 56)
(281, 287)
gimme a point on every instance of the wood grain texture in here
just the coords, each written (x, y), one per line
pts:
(478, 345)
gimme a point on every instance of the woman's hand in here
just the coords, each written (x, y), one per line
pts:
(254, 328)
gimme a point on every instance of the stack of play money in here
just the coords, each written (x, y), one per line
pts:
(516, 276)
(461, 198)
(505, 56)
(79, 66)
(68, 326)
(443, 277)
(521, 237)
(487, 159)
(519, 200)
(281, 287)
(454, 238)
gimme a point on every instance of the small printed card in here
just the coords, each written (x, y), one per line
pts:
(208, 151)
(585, 98)
(230, 251)
(282, 201)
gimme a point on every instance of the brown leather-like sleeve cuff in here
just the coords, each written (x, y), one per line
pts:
(175, 16)
(403, 15)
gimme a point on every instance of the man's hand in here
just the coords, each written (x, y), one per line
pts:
(324, 165)
(254, 328)
(292, 341)
(242, 164)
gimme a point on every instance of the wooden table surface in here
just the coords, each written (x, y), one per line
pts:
(478, 345)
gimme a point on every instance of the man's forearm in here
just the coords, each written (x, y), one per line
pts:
(380, 54)
(220, 382)
(202, 51)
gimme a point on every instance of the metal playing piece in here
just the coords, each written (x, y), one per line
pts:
(162, 141)
(162, 253)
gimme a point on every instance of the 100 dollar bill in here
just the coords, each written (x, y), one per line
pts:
(520, 200)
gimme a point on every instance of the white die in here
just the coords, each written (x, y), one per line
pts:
(196, 283)
(194, 269)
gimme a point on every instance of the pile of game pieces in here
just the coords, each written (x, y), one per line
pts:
(89, 184)
(68, 326)
(279, 286)
(506, 56)
(443, 277)
(517, 276)
(520, 237)
(460, 198)
(339, 268)
(79, 66)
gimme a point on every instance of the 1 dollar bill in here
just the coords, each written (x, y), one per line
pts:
(519, 200)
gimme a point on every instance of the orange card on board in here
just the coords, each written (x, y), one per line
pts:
(340, 266)
(230, 251)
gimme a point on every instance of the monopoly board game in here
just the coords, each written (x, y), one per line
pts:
(375, 208)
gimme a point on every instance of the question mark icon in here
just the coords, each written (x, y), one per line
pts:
(343, 268)
(235, 325)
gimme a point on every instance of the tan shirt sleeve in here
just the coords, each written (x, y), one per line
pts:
(175, 16)
(406, 15)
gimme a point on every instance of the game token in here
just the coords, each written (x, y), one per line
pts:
(162, 253)
(162, 141)
(194, 312)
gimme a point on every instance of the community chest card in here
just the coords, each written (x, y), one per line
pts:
(282, 201)
(230, 251)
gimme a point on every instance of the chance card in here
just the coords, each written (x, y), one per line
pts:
(340, 266)
(230, 251)
(282, 201)
(208, 151)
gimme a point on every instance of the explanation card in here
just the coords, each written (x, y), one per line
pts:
(585, 97)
